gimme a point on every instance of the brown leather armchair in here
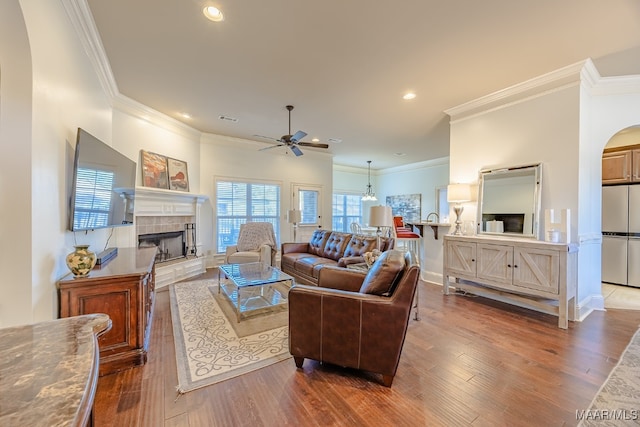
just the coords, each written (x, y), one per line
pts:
(355, 319)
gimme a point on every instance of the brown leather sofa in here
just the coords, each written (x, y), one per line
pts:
(355, 319)
(304, 261)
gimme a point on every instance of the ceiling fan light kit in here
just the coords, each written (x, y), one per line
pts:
(292, 141)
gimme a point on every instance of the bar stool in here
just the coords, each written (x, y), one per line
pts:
(407, 240)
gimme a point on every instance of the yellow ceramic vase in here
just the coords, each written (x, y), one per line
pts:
(81, 260)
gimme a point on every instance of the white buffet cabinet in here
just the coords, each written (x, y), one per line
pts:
(531, 273)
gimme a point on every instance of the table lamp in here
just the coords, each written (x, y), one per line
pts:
(380, 216)
(458, 194)
(294, 217)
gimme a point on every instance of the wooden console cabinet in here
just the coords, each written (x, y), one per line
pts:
(124, 289)
(535, 274)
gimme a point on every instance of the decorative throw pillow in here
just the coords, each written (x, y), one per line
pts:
(383, 273)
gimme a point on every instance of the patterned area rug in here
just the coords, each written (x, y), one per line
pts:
(617, 401)
(208, 348)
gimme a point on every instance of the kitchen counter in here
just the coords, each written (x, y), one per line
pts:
(49, 371)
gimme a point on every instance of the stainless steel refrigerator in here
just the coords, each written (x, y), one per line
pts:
(621, 235)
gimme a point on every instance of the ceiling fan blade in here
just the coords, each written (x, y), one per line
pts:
(267, 137)
(297, 136)
(295, 150)
(313, 144)
(273, 146)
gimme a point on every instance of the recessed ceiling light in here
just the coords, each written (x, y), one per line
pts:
(185, 115)
(315, 140)
(408, 96)
(399, 154)
(213, 13)
(334, 140)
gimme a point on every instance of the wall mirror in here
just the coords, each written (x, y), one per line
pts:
(509, 201)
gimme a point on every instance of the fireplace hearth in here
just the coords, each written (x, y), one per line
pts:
(171, 245)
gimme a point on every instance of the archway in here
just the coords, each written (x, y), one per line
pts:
(620, 210)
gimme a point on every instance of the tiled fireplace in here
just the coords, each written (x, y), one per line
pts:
(172, 235)
(169, 220)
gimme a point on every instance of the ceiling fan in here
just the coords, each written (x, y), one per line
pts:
(292, 141)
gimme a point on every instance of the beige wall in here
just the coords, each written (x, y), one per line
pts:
(564, 124)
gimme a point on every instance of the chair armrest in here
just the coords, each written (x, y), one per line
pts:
(341, 278)
(265, 254)
(229, 251)
(288, 248)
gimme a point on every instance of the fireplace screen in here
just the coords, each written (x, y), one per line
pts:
(171, 245)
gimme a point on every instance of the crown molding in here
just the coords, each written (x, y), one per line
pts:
(442, 161)
(619, 85)
(143, 112)
(565, 77)
(84, 25)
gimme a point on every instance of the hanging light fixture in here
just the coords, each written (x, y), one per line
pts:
(369, 195)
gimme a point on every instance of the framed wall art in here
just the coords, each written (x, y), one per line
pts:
(408, 206)
(178, 176)
(154, 170)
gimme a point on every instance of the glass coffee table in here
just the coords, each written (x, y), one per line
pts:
(254, 288)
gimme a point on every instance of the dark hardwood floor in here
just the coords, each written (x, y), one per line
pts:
(468, 361)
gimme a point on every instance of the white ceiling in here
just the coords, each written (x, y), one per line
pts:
(345, 65)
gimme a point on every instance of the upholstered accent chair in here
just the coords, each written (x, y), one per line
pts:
(256, 243)
(355, 319)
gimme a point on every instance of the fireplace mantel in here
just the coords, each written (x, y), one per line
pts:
(158, 202)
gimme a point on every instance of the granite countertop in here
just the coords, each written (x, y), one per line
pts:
(49, 371)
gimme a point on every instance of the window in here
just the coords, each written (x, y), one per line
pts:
(93, 198)
(309, 204)
(347, 208)
(241, 202)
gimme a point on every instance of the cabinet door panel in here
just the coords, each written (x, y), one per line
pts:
(461, 258)
(536, 269)
(635, 176)
(495, 263)
(616, 167)
(124, 317)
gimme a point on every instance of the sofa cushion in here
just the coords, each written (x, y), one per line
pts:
(359, 244)
(336, 244)
(318, 242)
(383, 273)
(289, 260)
(306, 265)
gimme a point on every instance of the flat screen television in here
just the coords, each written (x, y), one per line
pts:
(103, 188)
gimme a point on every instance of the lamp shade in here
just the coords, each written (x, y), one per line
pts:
(380, 216)
(294, 216)
(458, 193)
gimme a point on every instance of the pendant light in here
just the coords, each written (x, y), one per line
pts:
(369, 195)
